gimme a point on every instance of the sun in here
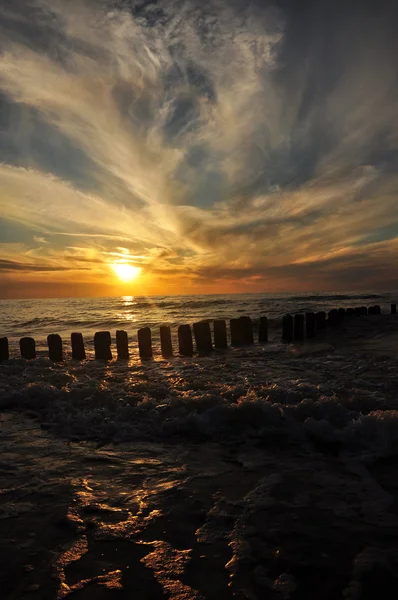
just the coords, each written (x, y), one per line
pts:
(126, 272)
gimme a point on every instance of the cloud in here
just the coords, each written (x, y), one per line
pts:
(209, 140)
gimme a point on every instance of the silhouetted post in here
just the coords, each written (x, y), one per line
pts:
(393, 309)
(287, 328)
(320, 320)
(358, 311)
(263, 330)
(78, 351)
(220, 334)
(247, 330)
(122, 345)
(236, 332)
(54, 343)
(350, 312)
(377, 310)
(185, 345)
(102, 345)
(341, 312)
(298, 327)
(4, 352)
(333, 317)
(28, 347)
(310, 324)
(145, 343)
(202, 333)
(364, 311)
(165, 341)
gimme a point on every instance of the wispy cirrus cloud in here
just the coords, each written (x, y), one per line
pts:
(213, 141)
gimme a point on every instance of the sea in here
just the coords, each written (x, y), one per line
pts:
(266, 471)
(38, 318)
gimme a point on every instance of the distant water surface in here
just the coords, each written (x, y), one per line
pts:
(38, 318)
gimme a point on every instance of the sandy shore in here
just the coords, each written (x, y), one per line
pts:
(203, 519)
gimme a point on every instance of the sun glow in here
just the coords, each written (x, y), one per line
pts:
(126, 272)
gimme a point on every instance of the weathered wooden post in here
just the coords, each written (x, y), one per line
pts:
(364, 311)
(341, 312)
(358, 311)
(185, 345)
(102, 345)
(202, 333)
(241, 331)
(298, 327)
(350, 312)
(263, 330)
(287, 328)
(220, 334)
(165, 341)
(333, 317)
(54, 343)
(78, 351)
(145, 343)
(122, 345)
(236, 332)
(320, 320)
(393, 309)
(247, 330)
(4, 352)
(28, 348)
(377, 310)
(310, 324)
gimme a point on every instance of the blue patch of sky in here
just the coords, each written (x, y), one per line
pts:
(26, 140)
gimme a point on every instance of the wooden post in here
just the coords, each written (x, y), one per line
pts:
(28, 347)
(102, 345)
(185, 345)
(263, 330)
(393, 309)
(54, 343)
(298, 327)
(122, 345)
(247, 330)
(310, 324)
(320, 320)
(241, 331)
(358, 311)
(165, 341)
(287, 328)
(202, 333)
(220, 334)
(350, 312)
(145, 343)
(235, 326)
(333, 317)
(78, 351)
(4, 352)
(377, 310)
(364, 311)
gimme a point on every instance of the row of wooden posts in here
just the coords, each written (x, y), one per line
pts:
(294, 328)
(241, 330)
(299, 326)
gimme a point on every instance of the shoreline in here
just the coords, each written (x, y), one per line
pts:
(266, 472)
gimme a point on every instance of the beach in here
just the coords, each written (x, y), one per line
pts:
(261, 472)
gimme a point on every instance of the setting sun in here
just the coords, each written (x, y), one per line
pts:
(126, 272)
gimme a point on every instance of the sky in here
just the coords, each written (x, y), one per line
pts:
(219, 146)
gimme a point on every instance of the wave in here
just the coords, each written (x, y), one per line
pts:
(330, 297)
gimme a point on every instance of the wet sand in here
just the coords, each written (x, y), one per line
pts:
(193, 519)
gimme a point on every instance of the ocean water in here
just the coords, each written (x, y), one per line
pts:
(263, 471)
(38, 318)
